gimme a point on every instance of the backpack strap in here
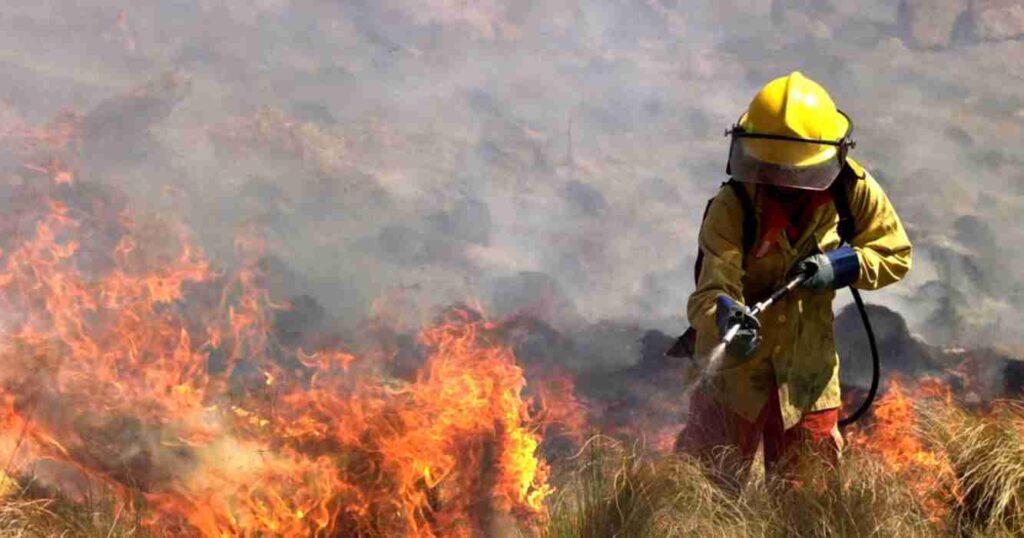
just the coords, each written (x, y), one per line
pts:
(840, 190)
(699, 263)
(749, 222)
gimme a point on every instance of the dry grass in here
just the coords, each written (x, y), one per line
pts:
(618, 492)
(28, 512)
(614, 491)
(987, 456)
(859, 498)
(610, 489)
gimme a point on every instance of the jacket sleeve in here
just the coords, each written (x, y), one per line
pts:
(880, 240)
(721, 241)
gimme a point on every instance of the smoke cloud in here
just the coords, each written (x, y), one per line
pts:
(548, 157)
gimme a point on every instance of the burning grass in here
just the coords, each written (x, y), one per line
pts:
(926, 466)
(132, 365)
(135, 366)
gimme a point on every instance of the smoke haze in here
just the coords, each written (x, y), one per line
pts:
(548, 157)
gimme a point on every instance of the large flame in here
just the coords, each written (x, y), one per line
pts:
(895, 437)
(131, 363)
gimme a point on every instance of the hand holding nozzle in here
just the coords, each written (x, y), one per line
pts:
(738, 324)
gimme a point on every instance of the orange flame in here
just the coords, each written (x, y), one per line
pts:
(895, 437)
(128, 358)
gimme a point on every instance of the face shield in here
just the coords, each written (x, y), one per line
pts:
(784, 161)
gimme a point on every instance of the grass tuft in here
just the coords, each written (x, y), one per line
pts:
(618, 491)
(614, 490)
(987, 456)
(31, 511)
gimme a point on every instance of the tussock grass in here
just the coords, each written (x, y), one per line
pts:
(33, 512)
(987, 456)
(617, 491)
(622, 491)
(857, 498)
(611, 489)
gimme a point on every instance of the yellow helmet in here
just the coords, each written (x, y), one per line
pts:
(791, 135)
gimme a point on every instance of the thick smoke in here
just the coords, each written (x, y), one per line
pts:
(543, 157)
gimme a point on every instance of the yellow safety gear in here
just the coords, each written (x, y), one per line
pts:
(797, 354)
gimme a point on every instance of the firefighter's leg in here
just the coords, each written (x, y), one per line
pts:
(774, 433)
(723, 441)
(819, 433)
(813, 441)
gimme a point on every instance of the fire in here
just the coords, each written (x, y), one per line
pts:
(134, 364)
(895, 437)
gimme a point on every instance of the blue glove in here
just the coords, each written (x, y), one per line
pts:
(729, 313)
(832, 270)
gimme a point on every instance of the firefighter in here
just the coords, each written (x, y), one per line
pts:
(779, 381)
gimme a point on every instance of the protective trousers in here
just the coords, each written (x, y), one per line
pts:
(727, 443)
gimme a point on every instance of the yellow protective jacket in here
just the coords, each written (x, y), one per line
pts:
(798, 348)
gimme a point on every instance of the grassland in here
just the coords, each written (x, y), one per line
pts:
(972, 485)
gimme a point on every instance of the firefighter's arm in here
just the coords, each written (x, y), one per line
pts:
(880, 240)
(721, 241)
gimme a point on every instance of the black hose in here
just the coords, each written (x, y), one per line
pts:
(877, 371)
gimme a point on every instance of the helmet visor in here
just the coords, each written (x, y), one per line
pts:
(755, 160)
